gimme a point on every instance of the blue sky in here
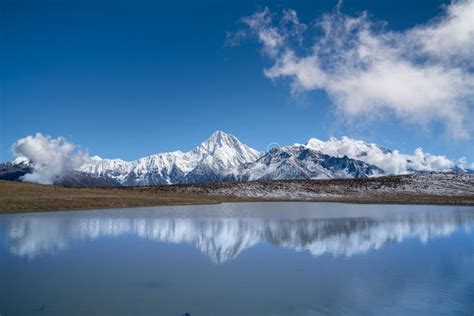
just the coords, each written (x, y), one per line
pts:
(132, 78)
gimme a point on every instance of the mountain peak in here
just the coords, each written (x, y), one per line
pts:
(218, 134)
(219, 139)
(224, 150)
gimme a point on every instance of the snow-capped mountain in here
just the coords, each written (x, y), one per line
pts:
(222, 157)
(301, 162)
(205, 163)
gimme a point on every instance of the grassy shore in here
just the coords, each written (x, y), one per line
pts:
(25, 197)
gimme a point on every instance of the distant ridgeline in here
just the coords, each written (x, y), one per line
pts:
(223, 158)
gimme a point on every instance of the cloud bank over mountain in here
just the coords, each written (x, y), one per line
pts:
(391, 161)
(51, 158)
(423, 74)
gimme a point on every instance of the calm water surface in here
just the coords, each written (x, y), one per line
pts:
(240, 259)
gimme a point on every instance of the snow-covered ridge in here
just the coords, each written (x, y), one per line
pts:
(220, 152)
(302, 162)
(222, 157)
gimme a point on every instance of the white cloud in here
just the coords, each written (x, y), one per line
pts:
(51, 158)
(391, 161)
(268, 35)
(422, 75)
(462, 162)
(305, 71)
(450, 37)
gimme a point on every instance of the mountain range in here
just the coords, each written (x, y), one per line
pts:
(222, 157)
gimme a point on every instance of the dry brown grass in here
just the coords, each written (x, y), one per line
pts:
(24, 197)
(19, 197)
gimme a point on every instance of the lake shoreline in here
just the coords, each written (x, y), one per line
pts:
(18, 197)
(131, 206)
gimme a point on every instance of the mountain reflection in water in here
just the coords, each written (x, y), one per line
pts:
(223, 232)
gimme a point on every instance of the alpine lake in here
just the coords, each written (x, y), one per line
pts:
(269, 258)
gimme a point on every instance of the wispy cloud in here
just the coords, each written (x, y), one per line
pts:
(51, 158)
(424, 74)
